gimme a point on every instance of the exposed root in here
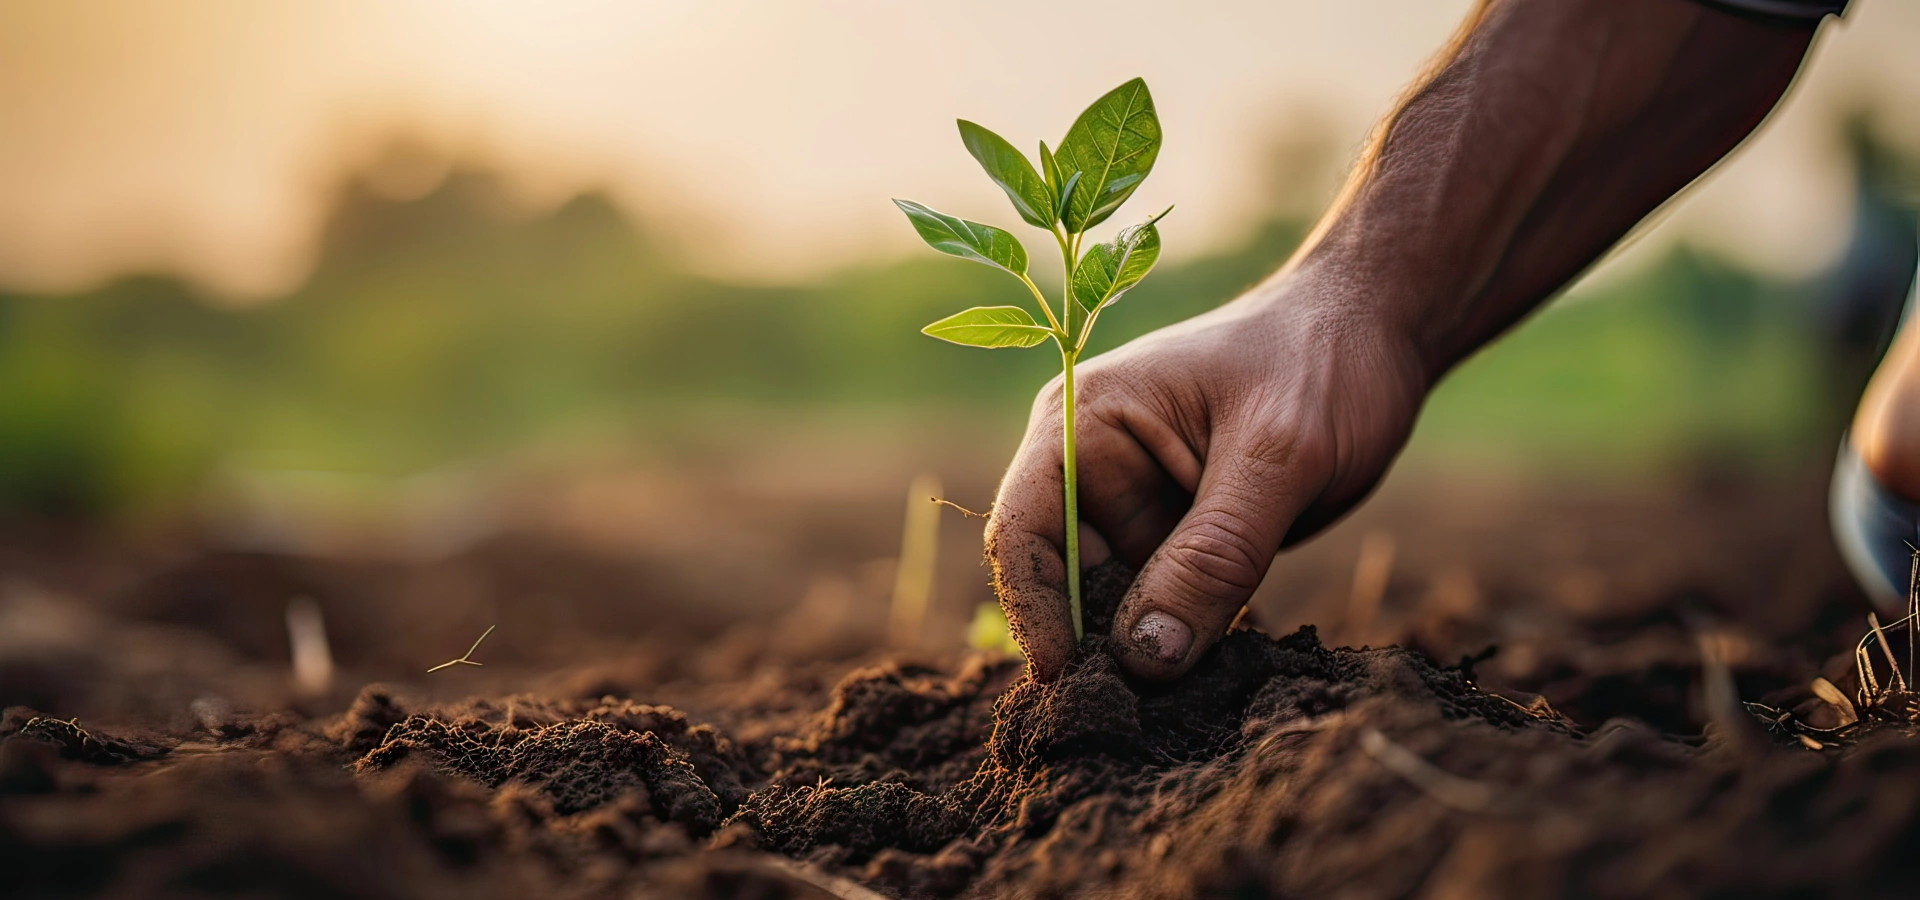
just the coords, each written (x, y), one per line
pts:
(963, 510)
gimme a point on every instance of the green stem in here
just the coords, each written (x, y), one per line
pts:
(1066, 283)
(1070, 469)
(1044, 308)
(1066, 252)
(1086, 330)
(1073, 493)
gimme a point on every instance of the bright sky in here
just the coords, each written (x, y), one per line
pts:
(205, 136)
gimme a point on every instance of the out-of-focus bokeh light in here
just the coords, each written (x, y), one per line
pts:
(349, 261)
(208, 137)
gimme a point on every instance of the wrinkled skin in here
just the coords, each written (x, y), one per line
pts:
(1204, 447)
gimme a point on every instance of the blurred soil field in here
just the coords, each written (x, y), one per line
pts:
(690, 692)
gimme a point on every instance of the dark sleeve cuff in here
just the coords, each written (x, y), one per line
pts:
(1786, 12)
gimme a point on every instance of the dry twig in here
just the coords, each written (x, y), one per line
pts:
(1723, 696)
(1825, 690)
(467, 658)
(1876, 704)
(842, 888)
(1464, 794)
(1899, 682)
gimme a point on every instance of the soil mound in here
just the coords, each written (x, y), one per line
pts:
(931, 784)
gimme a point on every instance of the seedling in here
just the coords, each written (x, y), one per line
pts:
(1104, 157)
(467, 658)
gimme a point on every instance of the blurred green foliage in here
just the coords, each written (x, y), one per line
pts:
(438, 330)
(1689, 362)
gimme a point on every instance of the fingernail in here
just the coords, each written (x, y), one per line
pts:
(1162, 636)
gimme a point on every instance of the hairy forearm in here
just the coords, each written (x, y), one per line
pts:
(1548, 130)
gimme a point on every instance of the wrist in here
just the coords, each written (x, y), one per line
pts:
(1331, 282)
(1346, 305)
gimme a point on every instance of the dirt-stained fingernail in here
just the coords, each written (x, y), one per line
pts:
(1162, 636)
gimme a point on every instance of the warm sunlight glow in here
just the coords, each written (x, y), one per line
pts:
(762, 139)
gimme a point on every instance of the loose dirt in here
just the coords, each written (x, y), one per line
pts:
(1282, 767)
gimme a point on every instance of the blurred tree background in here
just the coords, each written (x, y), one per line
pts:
(442, 330)
(441, 246)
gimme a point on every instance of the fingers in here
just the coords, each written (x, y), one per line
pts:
(1128, 504)
(1126, 494)
(1192, 587)
(1029, 568)
(1137, 478)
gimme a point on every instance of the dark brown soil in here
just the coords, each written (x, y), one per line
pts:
(1280, 768)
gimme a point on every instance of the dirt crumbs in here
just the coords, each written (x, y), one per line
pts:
(1280, 768)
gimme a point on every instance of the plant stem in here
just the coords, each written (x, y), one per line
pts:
(1067, 357)
(1044, 307)
(1066, 282)
(1070, 469)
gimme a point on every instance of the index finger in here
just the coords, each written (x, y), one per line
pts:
(1023, 546)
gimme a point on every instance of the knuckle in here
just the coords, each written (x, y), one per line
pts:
(1100, 379)
(1272, 446)
(1216, 554)
(1050, 400)
(1111, 391)
(1053, 391)
(1278, 450)
(1260, 465)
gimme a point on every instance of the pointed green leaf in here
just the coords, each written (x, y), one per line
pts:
(1108, 270)
(1067, 190)
(1062, 191)
(990, 326)
(967, 240)
(1010, 169)
(1049, 169)
(1114, 143)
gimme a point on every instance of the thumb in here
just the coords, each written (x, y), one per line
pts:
(1196, 582)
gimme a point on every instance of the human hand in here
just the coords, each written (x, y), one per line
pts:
(1203, 448)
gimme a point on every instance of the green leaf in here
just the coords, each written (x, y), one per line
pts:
(1114, 143)
(1049, 169)
(1062, 191)
(967, 240)
(1009, 168)
(1108, 270)
(1066, 191)
(990, 326)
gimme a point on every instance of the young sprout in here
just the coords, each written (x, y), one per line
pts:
(1104, 157)
(919, 559)
(467, 658)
